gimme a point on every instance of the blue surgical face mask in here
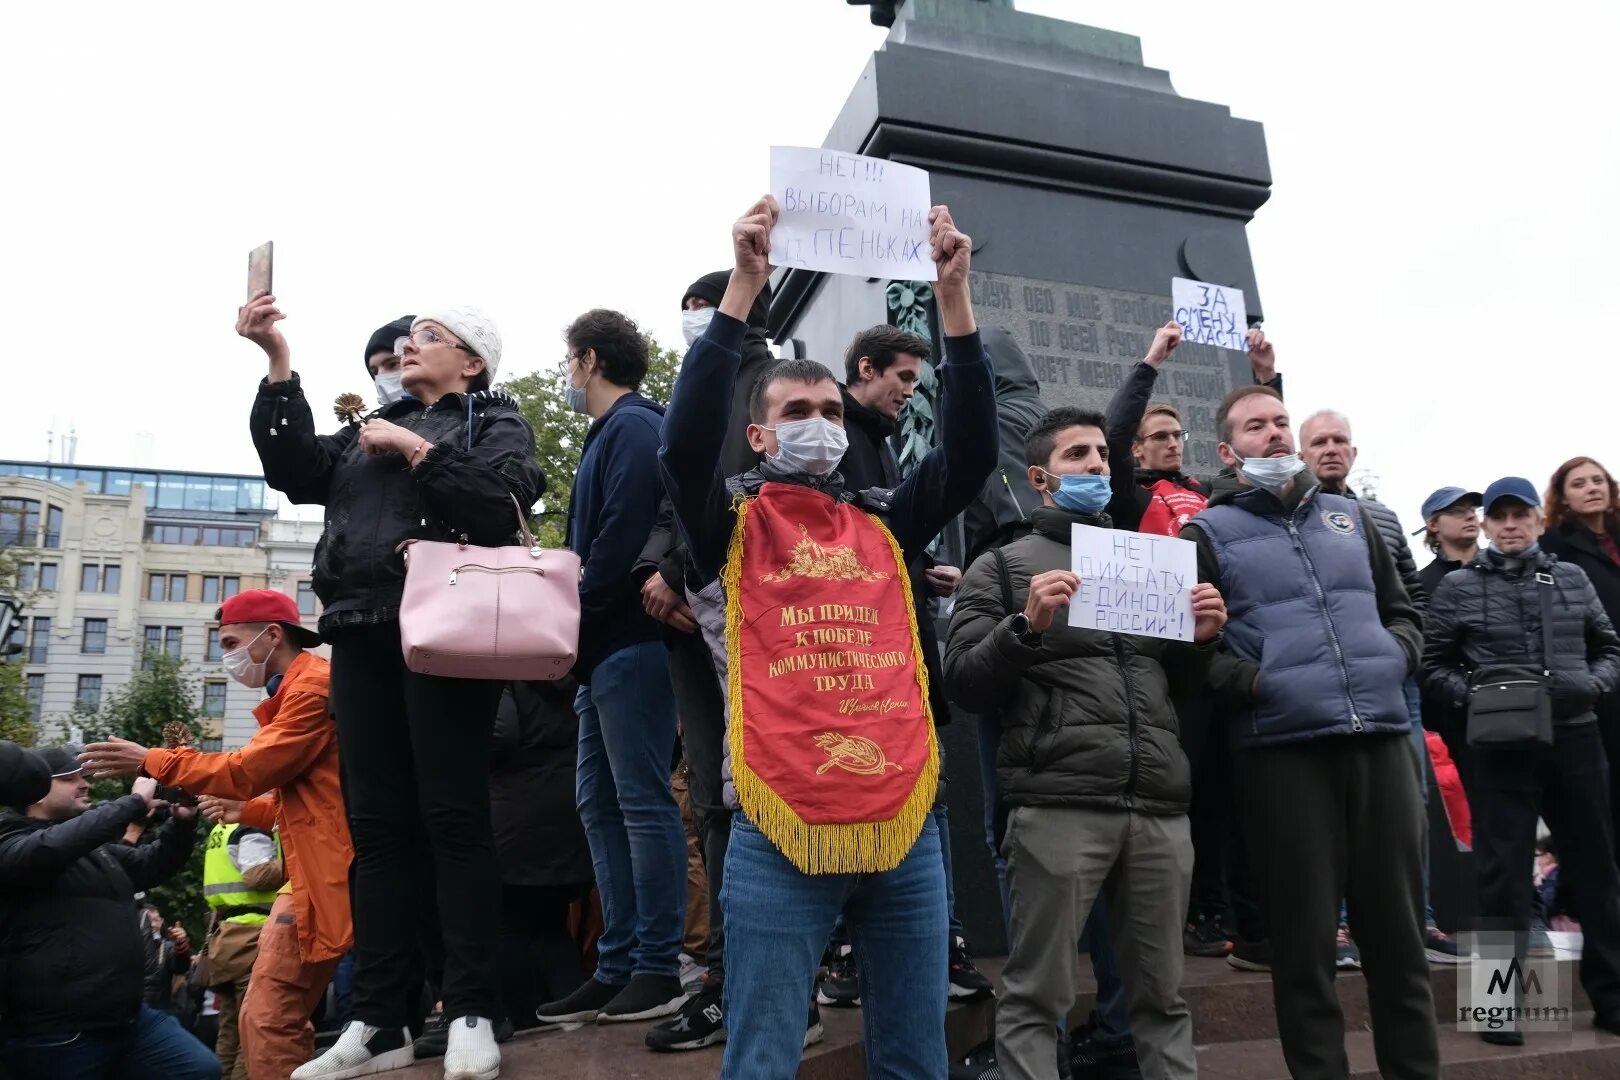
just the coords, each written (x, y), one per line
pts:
(574, 396)
(1272, 473)
(1080, 493)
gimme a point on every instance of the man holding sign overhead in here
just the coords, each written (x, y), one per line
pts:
(1322, 638)
(1090, 758)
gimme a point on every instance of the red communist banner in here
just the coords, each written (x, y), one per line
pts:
(832, 745)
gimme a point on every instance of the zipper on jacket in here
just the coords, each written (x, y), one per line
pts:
(1130, 712)
(1327, 617)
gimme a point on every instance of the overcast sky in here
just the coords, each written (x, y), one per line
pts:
(1437, 258)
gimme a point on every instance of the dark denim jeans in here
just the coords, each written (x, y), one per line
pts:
(638, 846)
(153, 1047)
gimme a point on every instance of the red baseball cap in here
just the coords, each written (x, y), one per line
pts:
(266, 606)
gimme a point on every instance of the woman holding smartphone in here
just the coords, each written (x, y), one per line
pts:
(443, 463)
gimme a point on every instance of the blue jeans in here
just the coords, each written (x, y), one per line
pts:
(777, 922)
(153, 1047)
(638, 847)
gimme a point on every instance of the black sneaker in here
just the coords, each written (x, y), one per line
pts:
(1205, 936)
(967, 982)
(1090, 1059)
(580, 1007)
(701, 1022)
(1503, 1038)
(648, 997)
(813, 1031)
(841, 987)
(1249, 955)
(1440, 947)
(435, 1037)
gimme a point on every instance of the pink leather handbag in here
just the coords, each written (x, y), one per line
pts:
(490, 612)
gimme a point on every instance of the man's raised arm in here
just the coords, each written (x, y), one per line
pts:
(693, 435)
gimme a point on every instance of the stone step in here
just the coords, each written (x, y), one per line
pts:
(1573, 1055)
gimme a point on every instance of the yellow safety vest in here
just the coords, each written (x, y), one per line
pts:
(223, 886)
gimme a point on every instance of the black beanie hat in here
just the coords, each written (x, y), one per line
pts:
(712, 287)
(24, 777)
(382, 339)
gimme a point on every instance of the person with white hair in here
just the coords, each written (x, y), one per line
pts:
(443, 463)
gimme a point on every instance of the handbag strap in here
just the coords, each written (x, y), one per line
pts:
(1006, 582)
(1544, 586)
(523, 522)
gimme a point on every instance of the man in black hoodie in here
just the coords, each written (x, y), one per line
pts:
(72, 954)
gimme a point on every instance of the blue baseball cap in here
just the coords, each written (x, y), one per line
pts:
(1512, 487)
(1446, 497)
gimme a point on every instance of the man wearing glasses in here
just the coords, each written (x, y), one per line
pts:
(1157, 496)
(1451, 531)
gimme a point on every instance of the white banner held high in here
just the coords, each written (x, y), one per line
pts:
(847, 214)
(1210, 314)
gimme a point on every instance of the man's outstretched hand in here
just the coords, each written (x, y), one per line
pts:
(113, 758)
(751, 256)
(952, 251)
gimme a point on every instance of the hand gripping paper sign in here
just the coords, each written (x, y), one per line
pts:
(1210, 314)
(847, 214)
(1133, 583)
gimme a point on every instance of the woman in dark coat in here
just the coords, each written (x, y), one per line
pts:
(540, 846)
(1583, 527)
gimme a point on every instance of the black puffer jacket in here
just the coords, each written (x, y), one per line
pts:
(72, 954)
(463, 487)
(539, 840)
(1389, 527)
(1085, 715)
(1489, 613)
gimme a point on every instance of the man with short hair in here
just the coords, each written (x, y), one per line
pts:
(1091, 760)
(801, 591)
(1320, 639)
(1330, 453)
(73, 959)
(1517, 614)
(626, 707)
(290, 772)
(384, 350)
(1451, 531)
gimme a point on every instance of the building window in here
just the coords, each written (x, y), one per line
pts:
(211, 746)
(171, 587)
(27, 577)
(47, 577)
(172, 636)
(217, 589)
(153, 644)
(95, 636)
(111, 577)
(214, 699)
(90, 578)
(213, 653)
(234, 536)
(89, 696)
(53, 528)
(19, 522)
(36, 696)
(39, 640)
(306, 599)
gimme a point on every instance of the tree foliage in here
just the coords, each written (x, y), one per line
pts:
(16, 718)
(160, 693)
(559, 432)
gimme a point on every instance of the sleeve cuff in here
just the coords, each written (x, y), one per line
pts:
(291, 388)
(158, 764)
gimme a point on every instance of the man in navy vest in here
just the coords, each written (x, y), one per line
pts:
(1321, 637)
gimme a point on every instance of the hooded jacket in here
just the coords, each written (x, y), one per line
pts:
(611, 513)
(1489, 613)
(1320, 634)
(1085, 715)
(73, 953)
(483, 456)
(1005, 502)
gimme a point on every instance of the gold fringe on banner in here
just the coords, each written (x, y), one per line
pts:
(859, 848)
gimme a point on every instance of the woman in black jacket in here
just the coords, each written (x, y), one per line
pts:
(1583, 527)
(444, 463)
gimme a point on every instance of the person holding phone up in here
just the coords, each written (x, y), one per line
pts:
(442, 464)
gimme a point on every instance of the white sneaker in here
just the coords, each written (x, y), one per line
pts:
(472, 1053)
(361, 1051)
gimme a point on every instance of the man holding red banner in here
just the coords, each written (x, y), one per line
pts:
(804, 600)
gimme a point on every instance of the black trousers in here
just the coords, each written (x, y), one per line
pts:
(1221, 882)
(1336, 817)
(1608, 714)
(540, 961)
(1566, 784)
(703, 733)
(415, 752)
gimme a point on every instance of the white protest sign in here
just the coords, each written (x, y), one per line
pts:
(847, 214)
(1133, 583)
(1210, 314)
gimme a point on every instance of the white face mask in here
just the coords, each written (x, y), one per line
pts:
(240, 665)
(814, 446)
(389, 389)
(693, 323)
(1272, 473)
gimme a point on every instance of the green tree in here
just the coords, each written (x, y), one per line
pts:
(559, 432)
(161, 693)
(16, 718)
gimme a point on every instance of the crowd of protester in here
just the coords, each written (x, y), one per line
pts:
(403, 865)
